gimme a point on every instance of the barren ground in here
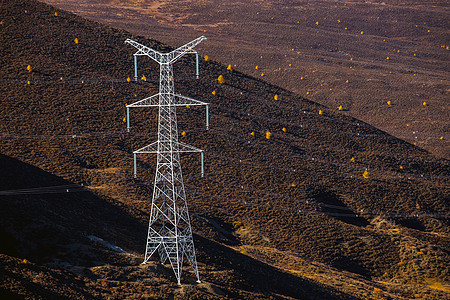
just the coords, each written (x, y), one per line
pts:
(287, 217)
(283, 39)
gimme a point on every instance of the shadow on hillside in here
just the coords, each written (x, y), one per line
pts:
(38, 226)
(331, 205)
(39, 223)
(254, 276)
(412, 223)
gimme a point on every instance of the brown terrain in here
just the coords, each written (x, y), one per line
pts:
(313, 47)
(290, 217)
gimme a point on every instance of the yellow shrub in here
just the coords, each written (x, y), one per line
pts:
(220, 79)
(268, 135)
(237, 224)
(206, 58)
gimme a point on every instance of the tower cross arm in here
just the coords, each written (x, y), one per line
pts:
(179, 146)
(144, 50)
(149, 102)
(187, 148)
(179, 100)
(152, 148)
(188, 48)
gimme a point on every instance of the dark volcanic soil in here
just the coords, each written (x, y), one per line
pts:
(286, 217)
(313, 47)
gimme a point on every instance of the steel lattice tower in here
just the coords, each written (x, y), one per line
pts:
(169, 230)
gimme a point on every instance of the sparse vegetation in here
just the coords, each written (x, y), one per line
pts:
(288, 217)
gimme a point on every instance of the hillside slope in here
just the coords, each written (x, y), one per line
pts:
(296, 206)
(358, 54)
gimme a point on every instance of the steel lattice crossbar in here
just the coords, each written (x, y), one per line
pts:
(169, 230)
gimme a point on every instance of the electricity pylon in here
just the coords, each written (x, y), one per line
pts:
(169, 230)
